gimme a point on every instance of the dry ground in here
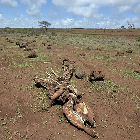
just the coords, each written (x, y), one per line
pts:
(24, 108)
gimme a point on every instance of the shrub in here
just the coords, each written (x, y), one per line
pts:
(138, 39)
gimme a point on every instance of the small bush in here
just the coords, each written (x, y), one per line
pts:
(138, 39)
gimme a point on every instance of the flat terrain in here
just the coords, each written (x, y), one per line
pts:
(24, 108)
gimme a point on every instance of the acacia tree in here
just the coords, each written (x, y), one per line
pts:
(122, 27)
(44, 24)
(130, 26)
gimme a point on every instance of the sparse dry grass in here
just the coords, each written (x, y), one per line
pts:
(24, 110)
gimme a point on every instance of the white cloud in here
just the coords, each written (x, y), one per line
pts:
(96, 2)
(24, 22)
(81, 10)
(137, 10)
(1, 17)
(63, 23)
(104, 23)
(89, 8)
(67, 22)
(10, 3)
(34, 6)
(84, 8)
(124, 8)
(18, 22)
(94, 15)
(71, 2)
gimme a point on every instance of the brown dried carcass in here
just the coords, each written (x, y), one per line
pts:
(79, 116)
(75, 109)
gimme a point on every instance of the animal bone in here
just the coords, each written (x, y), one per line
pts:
(77, 119)
(77, 111)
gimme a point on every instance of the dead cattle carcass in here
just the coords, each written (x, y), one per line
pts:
(75, 109)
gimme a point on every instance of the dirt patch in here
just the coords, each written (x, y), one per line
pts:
(25, 111)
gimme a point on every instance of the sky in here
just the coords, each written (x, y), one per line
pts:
(70, 13)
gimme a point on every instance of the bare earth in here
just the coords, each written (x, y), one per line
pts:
(24, 109)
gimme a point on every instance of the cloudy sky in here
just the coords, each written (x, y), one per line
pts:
(70, 13)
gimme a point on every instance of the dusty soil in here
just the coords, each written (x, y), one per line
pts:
(24, 108)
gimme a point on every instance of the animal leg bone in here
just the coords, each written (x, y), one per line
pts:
(44, 83)
(85, 111)
(58, 93)
(76, 119)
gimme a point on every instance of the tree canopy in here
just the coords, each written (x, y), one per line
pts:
(44, 24)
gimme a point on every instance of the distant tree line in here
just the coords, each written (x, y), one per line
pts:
(129, 26)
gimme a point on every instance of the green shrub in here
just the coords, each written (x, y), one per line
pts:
(138, 39)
